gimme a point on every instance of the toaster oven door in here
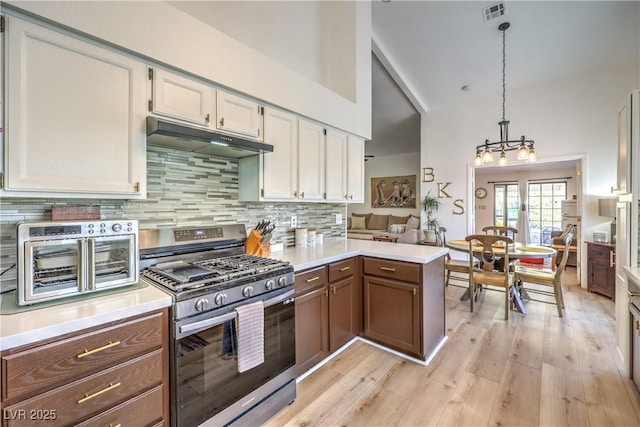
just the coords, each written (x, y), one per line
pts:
(51, 269)
(112, 261)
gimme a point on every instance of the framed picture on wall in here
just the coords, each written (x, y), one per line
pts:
(394, 192)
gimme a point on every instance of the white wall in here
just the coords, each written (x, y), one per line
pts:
(571, 116)
(380, 166)
(167, 35)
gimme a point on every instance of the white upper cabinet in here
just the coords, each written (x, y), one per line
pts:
(272, 176)
(280, 167)
(180, 98)
(355, 169)
(336, 166)
(239, 115)
(75, 117)
(311, 161)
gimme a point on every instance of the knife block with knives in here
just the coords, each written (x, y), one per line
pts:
(259, 240)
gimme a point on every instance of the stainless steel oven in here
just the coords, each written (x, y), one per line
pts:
(208, 388)
(63, 259)
(634, 310)
(210, 277)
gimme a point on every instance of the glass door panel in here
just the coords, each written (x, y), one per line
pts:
(112, 261)
(52, 268)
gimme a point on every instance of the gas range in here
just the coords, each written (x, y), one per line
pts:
(205, 268)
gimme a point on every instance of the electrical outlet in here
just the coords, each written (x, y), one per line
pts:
(294, 221)
(338, 219)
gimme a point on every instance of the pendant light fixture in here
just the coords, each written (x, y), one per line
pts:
(524, 147)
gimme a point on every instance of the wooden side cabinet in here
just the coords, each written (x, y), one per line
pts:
(601, 277)
(115, 374)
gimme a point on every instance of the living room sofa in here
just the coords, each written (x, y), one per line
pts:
(365, 226)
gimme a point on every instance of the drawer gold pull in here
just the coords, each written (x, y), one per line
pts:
(611, 255)
(99, 349)
(98, 393)
(333, 290)
(387, 269)
(415, 291)
(345, 268)
(313, 279)
(117, 425)
(326, 292)
(633, 294)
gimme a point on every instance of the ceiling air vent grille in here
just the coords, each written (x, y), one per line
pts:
(493, 11)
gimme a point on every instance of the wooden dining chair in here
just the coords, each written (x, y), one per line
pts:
(547, 277)
(490, 271)
(499, 230)
(454, 265)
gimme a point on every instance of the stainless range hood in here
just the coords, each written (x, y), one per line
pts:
(181, 137)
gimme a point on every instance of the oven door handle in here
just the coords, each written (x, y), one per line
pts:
(213, 321)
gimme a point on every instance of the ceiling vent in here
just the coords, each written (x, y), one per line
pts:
(493, 11)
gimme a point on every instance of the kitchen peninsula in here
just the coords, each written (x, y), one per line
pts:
(397, 296)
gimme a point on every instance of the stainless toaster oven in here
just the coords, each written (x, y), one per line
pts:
(63, 259)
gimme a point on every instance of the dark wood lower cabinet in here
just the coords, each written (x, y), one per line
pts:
(312, 328)
(601, 277)
(342, 322)
(111, 374)
(392, 313)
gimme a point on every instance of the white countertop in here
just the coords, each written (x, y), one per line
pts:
(43, 323)
(633, 273)
(303, 258)
(48, 322)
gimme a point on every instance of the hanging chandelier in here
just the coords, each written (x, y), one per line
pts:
(524, 147)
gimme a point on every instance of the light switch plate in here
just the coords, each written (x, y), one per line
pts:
(338, 219)
(294, 221)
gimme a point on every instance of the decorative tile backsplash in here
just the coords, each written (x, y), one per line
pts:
(183, 189)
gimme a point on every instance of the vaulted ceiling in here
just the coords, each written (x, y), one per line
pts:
(437, 47)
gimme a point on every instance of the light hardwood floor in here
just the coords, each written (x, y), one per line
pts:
(533, 370)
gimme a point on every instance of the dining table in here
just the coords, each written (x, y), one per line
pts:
(517, 252)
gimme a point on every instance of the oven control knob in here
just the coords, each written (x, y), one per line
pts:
(282, 281)
(116, 227)
(220, 299)
(269, 284)
(202, 304)
(246, 291)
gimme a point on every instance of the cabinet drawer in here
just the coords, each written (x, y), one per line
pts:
(142, 410)
(405, 271)
(50, 365)
(599, 253)
(90, 396)
(310, 280)
(342, 269)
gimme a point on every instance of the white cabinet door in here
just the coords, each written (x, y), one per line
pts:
(238, 115)
(280, 168)
(355, 169)
(75, 117)
(336, 166)
(180, 98)
(311, 158)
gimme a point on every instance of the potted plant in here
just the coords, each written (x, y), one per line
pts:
(431, 204)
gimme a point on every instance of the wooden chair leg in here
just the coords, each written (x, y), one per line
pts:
(472, 293)
(507, 299)
(446, 283)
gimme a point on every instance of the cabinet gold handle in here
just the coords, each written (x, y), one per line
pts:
(98, 393)
(345, 268)
(302, 194)
(351, 197)
(295, 194)
(611, 255)
(99, 349)
(333, 290)
(326, 292)
(387, 269)
(346, 196)
(222, 121)
(206, 120)
(633, 294)
(313, 279)
(415, 291)
(117, 425)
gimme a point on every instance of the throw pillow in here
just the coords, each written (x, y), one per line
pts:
(357, 222)
(398, 219)
(365, 216)
(414, 222)
(378, 222)
(397, 228)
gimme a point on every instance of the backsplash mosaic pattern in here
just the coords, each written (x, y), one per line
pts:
(183, 189)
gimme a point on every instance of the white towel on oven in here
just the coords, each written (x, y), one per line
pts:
(250, 332)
